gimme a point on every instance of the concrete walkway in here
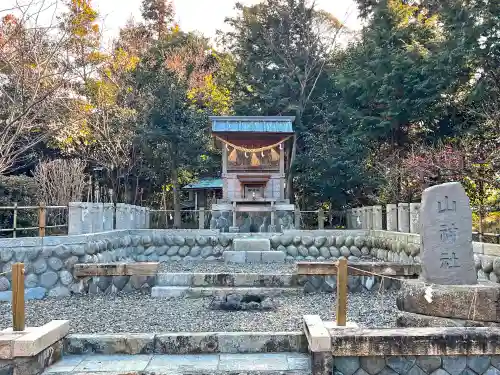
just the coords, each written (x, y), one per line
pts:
(268, 363)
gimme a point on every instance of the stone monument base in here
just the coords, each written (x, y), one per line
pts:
(478, 302)
(408, 320)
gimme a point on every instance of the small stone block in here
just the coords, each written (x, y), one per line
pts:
(40, 339)
(251, 244)
(316, 333)
(234, 257)
(169, 291)
(253, 256)
(273, 257)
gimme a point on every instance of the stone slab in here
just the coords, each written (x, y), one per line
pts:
(468, 302)
(116, 269)
(119, 343)
(316, 333)
(238, 257)
(446, 236)
(406, 319)
(272, 256)
(450, 341)
(40, 338)
(380, 268)
(251, 244)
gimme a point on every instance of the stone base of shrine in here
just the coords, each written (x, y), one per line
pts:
(479, 302)
(406, 319)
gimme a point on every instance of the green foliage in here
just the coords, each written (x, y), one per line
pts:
(21, 190)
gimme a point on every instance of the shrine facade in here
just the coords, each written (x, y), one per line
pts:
(254, 167)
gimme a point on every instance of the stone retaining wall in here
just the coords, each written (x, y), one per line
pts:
(409, 351)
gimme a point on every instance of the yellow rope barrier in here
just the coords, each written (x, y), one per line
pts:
(252, 150)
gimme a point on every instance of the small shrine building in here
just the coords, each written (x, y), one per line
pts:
(254, 167)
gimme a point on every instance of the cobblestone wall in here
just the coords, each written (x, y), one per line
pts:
(417, 365)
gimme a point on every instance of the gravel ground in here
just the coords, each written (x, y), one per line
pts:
(221, 267)
(141, 313)
(216, 267)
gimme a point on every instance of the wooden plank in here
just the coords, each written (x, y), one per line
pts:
(18, 317)
(342, 292)
(116, 269)
(317, 335)
(40, 338)
(363, 268)
(42, 218)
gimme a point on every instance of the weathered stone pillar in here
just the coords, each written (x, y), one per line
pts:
(201, 218)
(414, 217)
(234, 228)
(122, 216)
(76, 216)
(377, 218)
(321, 219)
(369, 217)
(97, 215)
(348, 218)
(364, 219)
(147, 223)
(356, 218)
(108, 216)
(404, 217)
(392, 217)
(297, 218)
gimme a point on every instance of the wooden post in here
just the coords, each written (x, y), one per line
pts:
(342, 292)
(18, 317)
(41, 220)
(14, 221)
(321, 219)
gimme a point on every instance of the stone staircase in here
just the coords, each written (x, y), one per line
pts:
(199, 285)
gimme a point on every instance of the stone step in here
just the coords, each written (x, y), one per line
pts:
(251, 244)
(227, 279)
(163, 364)
(240, 257)
(200, 292)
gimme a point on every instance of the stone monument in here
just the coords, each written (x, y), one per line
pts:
(447, 293)
(446, 236)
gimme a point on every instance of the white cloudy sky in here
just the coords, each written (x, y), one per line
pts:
(205, 16)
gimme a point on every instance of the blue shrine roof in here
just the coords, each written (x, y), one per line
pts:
(205, 183)
(252, 124)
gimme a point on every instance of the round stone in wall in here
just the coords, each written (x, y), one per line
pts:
(324, 252)
(4, 284)
(359, 242)
(190, 241)
(307, 241)
(296, 240)
(330, 241)
(139, 249)
(365, 251)
(149, 250)
(31, 281)
(344, 251)
(303, 251)
(313, 251)
(355, 251)
(146, 241)
(275, 241)
(48, 279)
(65, 277)
(55, 263)
(157, 240)
(5, 255)
(32, 253)
(286, 240)
(169, 240)
(496, 265)
(339, 241)
(487, 263)
(183, 251)
(161, 250)
(195, 251)
(353, 258)
(319, 241)
(334, 252)
(349, 241)
(281, 248)
(201, 240)
(40, 266)
(179, 241)
(206, 251)
(292, 251)
(224, 241)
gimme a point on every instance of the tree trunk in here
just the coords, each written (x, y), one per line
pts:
(176, 193)
(289, 178)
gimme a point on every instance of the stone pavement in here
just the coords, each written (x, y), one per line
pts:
(275, 363)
